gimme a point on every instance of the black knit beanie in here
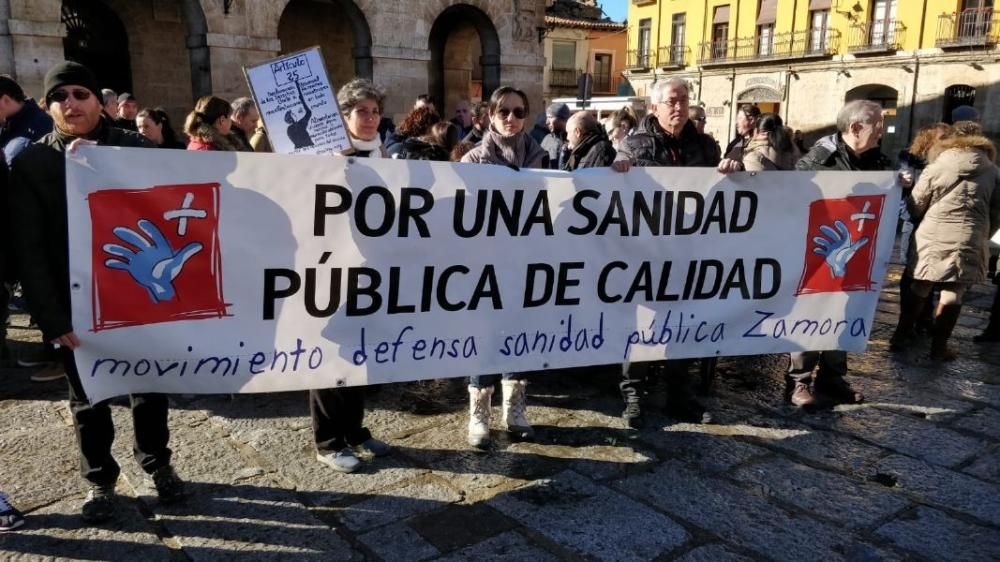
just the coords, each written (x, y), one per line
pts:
(70, 73)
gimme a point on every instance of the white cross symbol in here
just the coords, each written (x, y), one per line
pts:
(186, 212)
(863, 216)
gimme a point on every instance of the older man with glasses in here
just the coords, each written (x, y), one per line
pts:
(38, 197)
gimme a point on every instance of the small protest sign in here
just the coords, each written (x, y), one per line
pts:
(298, 105)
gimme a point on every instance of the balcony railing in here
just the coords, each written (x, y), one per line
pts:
(977, 27)
(876, 36)
(798, 44)
(674, 56)
(605, 85)
(639, 59)
(563, 77)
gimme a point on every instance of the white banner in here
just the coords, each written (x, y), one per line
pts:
(221, 272)
(298, 105)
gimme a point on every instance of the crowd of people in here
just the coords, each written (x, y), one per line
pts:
(949, 180)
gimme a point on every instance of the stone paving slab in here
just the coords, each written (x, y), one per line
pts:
(55, 532)
(856, 504)
(398, 542)
(987, 466)
(985, 421)
(908, 434)
(945, 488)
(736, 514)
(590, 519)
(509, 546)
(713, 553)
(934, 535)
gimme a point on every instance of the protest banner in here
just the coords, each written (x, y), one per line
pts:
(234, 272)
(297, 104)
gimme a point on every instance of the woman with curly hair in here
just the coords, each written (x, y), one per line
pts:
(415, 125)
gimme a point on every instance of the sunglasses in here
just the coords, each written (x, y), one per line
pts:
(59, 96)
(518, 112)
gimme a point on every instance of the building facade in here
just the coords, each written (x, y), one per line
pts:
(169, 52)
(580, 39)
(805, 58)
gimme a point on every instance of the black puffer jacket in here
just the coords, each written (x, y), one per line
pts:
(594, 151)
(652, 146)
(38, 201)
(832, 153)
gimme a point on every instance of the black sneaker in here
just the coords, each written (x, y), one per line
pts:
(10, 517)
(169, 487)
(99, 505)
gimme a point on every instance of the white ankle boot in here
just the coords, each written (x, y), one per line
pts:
(479, 416)
(515, 409)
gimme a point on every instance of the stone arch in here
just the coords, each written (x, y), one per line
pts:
(759, 94)
(957, 95)
(886, 96)
(456, 23)
(96, 38)
(339, 27)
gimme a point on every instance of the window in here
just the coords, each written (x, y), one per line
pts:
(720, 32)
(645, 32)
(765, 39)
(818, 23)
(677, 25)
(602, 72)
(883, 30)
(563, 55)
(767, 14)
(975, 18)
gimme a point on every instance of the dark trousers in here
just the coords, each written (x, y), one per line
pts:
(337, 418)
(831, 364)
(95, 431)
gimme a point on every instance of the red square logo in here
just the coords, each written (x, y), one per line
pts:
(155, 255)
(840, 244)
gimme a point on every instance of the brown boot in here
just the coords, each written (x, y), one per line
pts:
(909, 311)
(944, 323)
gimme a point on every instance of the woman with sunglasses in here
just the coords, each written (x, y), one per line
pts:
(338, 414)
(507, 144)
(208, 125)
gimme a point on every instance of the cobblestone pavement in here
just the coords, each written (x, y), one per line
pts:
(914, 474)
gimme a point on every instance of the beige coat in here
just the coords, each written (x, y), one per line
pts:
(957, 201)
(759, 156)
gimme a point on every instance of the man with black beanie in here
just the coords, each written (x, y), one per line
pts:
(38, 200)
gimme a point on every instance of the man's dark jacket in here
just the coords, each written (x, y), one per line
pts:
(23, 128)
(38, 203)
(594, 151)
(832, 153)
(650, 145)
